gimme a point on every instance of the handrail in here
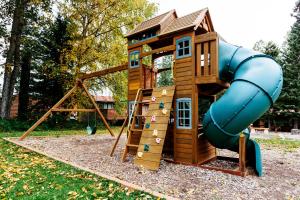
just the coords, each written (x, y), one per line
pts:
(133, 109)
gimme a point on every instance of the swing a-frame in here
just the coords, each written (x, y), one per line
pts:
(79, 84)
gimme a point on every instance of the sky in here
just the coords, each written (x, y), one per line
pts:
(240, 22)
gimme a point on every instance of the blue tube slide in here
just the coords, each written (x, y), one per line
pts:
(256, 82)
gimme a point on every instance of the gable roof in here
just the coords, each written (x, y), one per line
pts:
(151, 23)
(187, 21)
(192, 20)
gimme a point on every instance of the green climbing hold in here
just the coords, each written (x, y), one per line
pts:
(161, 105)
(146, 147)
(147, 125)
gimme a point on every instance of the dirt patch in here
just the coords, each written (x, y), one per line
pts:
(281, 178)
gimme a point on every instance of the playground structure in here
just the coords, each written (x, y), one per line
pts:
(185, 123)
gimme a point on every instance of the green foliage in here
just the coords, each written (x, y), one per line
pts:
(165, 78)
(28, 175)
(270, 48)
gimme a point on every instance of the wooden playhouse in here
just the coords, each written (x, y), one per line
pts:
(175, 132)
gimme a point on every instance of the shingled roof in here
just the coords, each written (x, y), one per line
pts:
(151, 23)
(192, 20)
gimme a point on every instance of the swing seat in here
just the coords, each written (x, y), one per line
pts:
(89, 130)
(94, 130)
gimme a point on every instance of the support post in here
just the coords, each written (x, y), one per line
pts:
(97, 109)
(118, 137)
(44, 117)
(242, 154)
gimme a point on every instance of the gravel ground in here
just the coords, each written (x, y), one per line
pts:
(281, 178)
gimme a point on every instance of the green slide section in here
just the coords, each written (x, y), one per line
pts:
(256, 82)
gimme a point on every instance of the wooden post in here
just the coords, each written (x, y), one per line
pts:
(44, 117)
(242, 154)
(97, 109)
(118, 138)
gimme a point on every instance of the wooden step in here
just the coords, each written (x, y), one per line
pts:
(132, 145)
(137, 130)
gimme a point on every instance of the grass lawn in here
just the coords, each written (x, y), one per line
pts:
(27, 175)
(286, 144)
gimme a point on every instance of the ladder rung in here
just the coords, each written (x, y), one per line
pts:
(132, 145)
(140, 116)
(137, 130)
(147, 89)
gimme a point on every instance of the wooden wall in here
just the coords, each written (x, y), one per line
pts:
(184, 139)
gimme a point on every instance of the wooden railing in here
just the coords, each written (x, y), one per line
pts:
(206, 58)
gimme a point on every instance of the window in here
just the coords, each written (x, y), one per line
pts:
(183, 47)
(184, 113)
(134, 59)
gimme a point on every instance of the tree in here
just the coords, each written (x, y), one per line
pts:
(12, 64)
(18, 12)
(165, 77)
(97, 30)
(289, 100)
(270, 48)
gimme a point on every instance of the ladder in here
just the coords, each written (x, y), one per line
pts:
(135, 121)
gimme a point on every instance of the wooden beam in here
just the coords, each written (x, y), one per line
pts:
(105, 71)
(242, 154)
(97, 109)
(72, 110)
(45, 116)
(154, 39)
(118, 138)
(162, 49)
(206, 37)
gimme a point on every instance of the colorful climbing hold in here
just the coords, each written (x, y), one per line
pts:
(164, 92)
(157, 140)
(155, 133)
(140, 154)
(146, 147)
(147, 125)
(161, 105)
(153, 98)
(164, 111)
(153, 118)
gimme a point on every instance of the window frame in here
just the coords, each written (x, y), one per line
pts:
(183, 39)
(183, 100)
(138, 59)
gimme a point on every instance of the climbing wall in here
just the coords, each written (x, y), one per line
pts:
(156, 123)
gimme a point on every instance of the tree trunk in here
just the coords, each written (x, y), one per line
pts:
(12, 64)
(24, 86)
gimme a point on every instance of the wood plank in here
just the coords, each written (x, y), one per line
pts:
(184, 92)
(184, 146)
(153, 149)
(162, 49)
(105, 72)
(206, 59)
(184, 87)
(150, 164)
(183, 60)
(213, 54)
(183, 136)
(184, 155)
(183, 69)
(183, 150)
(206, 37)
(159, 119)
(198, 59)
(132, 46)
(185, 73)
(183, 78)
(149, 134)
(178, 66)
(151, 141)
(183, 141)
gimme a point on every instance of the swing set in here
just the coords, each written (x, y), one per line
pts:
(80, 84)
